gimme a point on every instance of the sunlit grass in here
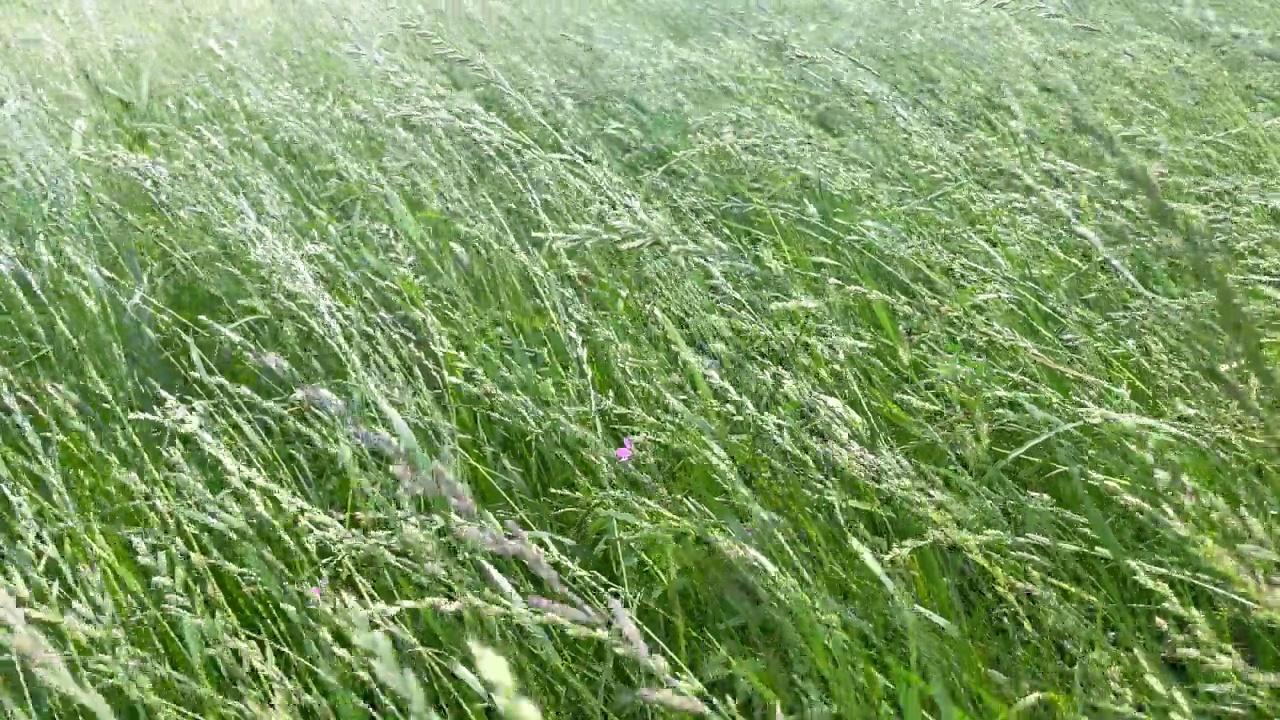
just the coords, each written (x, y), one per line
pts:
(945, 335)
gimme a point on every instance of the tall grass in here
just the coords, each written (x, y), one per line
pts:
(945, 333)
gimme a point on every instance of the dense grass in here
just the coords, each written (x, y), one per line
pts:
(945, 333)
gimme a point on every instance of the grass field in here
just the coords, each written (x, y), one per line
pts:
(945, 334)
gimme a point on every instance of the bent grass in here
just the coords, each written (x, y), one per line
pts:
(948, 333)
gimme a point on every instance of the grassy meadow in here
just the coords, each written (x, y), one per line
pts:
(945, 334)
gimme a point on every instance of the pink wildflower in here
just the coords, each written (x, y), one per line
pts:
(624, 452)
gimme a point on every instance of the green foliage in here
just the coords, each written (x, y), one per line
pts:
(945, 332)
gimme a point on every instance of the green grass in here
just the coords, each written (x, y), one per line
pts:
(946, 334)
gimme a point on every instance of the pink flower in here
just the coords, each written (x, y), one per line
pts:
(624, 452)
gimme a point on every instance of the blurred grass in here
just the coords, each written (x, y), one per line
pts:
(946, 333)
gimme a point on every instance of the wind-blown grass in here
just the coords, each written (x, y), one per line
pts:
(945, 333)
